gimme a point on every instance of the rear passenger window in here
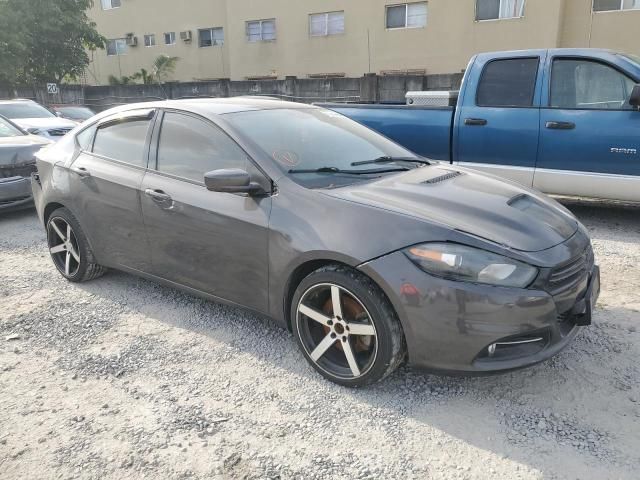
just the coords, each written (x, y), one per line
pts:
(123, 140)
(189, 148)
(508, 83)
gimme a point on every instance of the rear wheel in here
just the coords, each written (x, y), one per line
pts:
(346, 327)
(69, 248)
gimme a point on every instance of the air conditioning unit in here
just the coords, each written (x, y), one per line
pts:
(186, 36)
(132, 40)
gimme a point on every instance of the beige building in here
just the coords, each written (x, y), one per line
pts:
(248, 39)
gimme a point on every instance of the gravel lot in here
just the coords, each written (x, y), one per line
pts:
(121, 378)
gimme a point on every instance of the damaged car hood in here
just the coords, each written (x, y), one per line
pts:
(15, 151)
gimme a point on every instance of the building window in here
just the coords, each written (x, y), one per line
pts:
(150, 40)
(210, 37)
(498, 9)
(261, 30)
(117, 46)
(409, 15)
(110, 4)
(609, 5)
(170, 38)
(324, 24)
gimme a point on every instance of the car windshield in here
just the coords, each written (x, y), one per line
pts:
(24, 110)
(304, 139)
(8, 130)
(80, 113)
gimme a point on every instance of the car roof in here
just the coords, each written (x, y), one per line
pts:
(214, 106)
(16, 100)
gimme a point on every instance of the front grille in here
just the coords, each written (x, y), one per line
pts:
(571, 273)
(58, 132)
(18, 170)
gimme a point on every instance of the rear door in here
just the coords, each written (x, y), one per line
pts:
(498, 119)
(105, 182)
(210, 241)
(589, 134)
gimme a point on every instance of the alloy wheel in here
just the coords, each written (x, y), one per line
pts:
(336, 331)
(63, 246)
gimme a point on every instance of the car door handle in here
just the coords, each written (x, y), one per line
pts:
(157, 195)
(478, 122)
(81, 171)
(560, 125)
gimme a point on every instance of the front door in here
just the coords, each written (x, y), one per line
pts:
(589, 134)
(105, 182)
(212, 242)
(498, 121)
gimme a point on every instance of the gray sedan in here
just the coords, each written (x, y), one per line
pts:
(369, 254)
(17, 163)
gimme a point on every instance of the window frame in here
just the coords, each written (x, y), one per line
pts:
(621, 9)
(172, 37)
(149, 36)
(584, 59)
(406, 15)
(122, 117)
(535, 85)
(116, 40)
(499, 18)
(111, 7)
(210, 30)
(326, 23)
(261, 22)
(154, 149)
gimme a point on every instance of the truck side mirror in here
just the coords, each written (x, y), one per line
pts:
(634, 99)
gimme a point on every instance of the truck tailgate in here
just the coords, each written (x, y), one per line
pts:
(423, 130)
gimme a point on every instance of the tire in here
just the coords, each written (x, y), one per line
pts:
(360, 344)
(69, 248)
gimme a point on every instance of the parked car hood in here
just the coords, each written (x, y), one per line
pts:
(474, 203)
(20, 150)
(49, 122)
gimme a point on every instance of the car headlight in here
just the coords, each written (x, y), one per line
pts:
(459, 262)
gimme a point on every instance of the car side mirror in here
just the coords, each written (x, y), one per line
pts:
(232, 180)
(634, 99)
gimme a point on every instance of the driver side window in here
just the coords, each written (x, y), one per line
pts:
(190, 147)
(588, 85)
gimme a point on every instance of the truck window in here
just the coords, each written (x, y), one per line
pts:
(585, 84)
(508, 83)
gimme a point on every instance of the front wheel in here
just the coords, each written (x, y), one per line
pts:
(346, 327)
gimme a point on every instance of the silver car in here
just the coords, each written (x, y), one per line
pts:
(368, 253)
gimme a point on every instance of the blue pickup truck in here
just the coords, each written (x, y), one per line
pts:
(564, 121)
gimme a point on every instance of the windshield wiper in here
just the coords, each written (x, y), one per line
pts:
(350, 172)
(389, 159)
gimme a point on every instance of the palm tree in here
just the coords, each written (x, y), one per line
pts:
(163, 66)
(144, 75)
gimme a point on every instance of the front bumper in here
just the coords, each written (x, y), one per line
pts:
(15, 192)
(451, 326)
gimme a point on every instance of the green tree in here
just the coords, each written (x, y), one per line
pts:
(144, 75)
(163, 66)
(45, 40)
(124, 80)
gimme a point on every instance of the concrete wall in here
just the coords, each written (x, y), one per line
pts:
(370, 88)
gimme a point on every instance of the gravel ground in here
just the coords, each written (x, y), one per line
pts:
(121, 378)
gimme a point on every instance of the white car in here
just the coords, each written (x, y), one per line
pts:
(35, 119)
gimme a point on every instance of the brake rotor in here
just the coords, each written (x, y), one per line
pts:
(352, 311)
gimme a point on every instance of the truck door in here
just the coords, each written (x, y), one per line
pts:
(589, 134)
(497, 124)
